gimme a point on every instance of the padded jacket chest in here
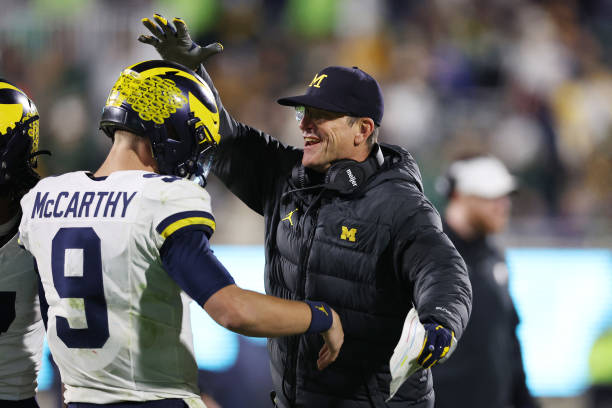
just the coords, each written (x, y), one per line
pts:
(319, 236)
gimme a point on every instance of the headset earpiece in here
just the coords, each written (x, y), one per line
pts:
(344, 176)
(347, 176)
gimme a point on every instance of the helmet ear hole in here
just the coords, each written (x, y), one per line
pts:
(171, 132)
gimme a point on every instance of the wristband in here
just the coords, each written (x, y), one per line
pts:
(322, 318)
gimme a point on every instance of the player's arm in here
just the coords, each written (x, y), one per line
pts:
(189, 260)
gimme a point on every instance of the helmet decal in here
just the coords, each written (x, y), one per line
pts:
(33, 131)
(174, 108)
(152, 97)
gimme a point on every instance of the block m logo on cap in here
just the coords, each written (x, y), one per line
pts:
(316, 81)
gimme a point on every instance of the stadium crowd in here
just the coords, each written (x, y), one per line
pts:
(528, 81)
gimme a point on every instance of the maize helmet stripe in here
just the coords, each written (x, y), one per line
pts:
(12, 106)
(10, 114)
(6, 85)
(18, 140)
(15, 109)
(200, 111)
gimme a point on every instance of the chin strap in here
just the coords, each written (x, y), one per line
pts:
(40, 152)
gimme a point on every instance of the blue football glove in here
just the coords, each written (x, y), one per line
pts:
(174, 43)
(438, 345)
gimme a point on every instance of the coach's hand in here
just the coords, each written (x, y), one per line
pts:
(174, 43)
(438, 345)
(334, 337)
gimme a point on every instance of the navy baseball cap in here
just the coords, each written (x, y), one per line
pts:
(344, 90)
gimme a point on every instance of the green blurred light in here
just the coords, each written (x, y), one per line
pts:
(600, 361)
(59, 8)
(200, 15)
(313, 18)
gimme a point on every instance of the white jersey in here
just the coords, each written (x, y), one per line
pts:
(118, 325)
(21, 328)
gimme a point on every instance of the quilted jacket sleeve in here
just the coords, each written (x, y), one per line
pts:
(248, 161)
(430, 266)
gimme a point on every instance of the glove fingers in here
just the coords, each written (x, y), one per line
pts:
(436, 345)
(181, 27)
(449, 346)
(442, 343)
(210, 50)
(431, 363)
(441, 347)
(425, 353)
(166, 27)
(149, 39)
(153, 28)
(444, 350)
(430, 354)
(426, 359)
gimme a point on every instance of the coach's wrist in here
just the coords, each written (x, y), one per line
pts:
(321, 317)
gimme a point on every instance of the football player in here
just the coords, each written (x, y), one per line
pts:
(21, 327)
(120, 251)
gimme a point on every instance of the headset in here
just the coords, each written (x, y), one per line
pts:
(345, 176)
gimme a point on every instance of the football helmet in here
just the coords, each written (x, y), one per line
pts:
(18, 140)
(173, 107)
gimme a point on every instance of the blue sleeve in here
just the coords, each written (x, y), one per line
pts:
(188, 259)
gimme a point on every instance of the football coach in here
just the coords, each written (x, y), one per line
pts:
(346, 222)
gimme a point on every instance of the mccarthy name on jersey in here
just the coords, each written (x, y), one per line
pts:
(81, 204)
(118, 324)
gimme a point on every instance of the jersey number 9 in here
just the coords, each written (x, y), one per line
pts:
(89, 287)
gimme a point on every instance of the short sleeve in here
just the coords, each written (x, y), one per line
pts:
(173, 204)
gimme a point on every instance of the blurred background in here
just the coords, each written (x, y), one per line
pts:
(528, 81)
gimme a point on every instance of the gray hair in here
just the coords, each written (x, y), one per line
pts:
(373, 138)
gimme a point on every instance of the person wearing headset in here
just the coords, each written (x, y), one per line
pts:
(487, 370)
(346, 222)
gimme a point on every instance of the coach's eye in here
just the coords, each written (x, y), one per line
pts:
(300, 111)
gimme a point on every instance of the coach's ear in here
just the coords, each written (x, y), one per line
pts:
(363, 128)
(173, 42)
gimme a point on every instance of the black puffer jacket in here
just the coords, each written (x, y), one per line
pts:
(370, 256)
